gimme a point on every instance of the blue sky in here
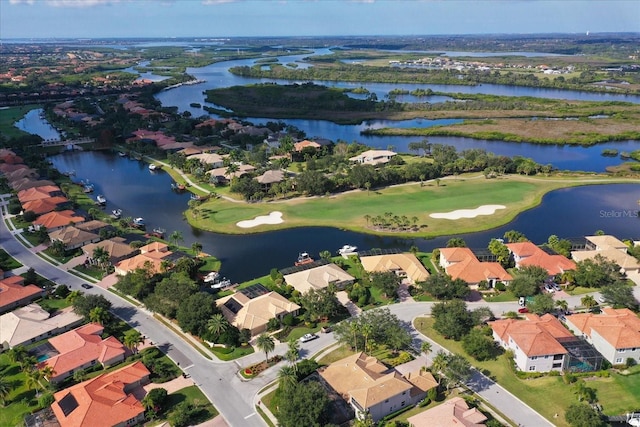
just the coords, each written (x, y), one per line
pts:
(232, 18)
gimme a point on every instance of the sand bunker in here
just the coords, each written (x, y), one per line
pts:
(468, 213)
(272, 218)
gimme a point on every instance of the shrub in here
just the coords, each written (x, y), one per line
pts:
(289, 320)
(631, 362)
(500, 287)
(29, 216)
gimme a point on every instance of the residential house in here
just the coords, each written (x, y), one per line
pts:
(33, 323)
(212, 159)
(615, 333)
(43, 206)
(404, 264)
(527, 253)
(454, 412)
(252, 308)
(27, 183)
(57, 219)
(612, 249)
(73, 237)
(371, 388)
(116, 247)
(373, 157)
(534, 342)
(82, 348)
(94, 226)
(318, 278)
(37, 193)
(269, 178)
(107, 400)
(221, 174)
(151, 256)
(461, 263)
(299, 146)
(14, 293)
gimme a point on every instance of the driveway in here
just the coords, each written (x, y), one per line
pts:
(353, 309)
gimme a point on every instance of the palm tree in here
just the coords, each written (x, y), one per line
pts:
(217, 324)
(99, 315)
(27, 363)
(562, 305)
(17, 354)
(47, 372)
(426, 348)
(326, 255)
(366, 330)
(265, 343)
(196, 247)
(33, 380)
(354, 328)
(101, 256)
(5, 389)
(176, 237)
(439, 363)
(588, 301)
(287, 377)
(367, 218)
(131, 339)
(73, 296)
(293, 352)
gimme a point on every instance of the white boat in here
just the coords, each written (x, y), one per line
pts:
(101, 200)
(153, 167)
(347, 249)
(121, 154)
(117, 213)
(211, 277)
(138, 222)
(304, 258)
(221, 284)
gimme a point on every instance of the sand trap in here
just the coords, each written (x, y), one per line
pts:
(468, 213)
(272, 218)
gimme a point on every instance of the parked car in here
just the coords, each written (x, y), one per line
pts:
(326, 329)
(522, 310)
(601, 299)
(556, 287)
(308, 337)
(86, 286)
(549, 288)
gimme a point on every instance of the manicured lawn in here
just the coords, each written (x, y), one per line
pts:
(237, 352)
(52, 303)
(20, 401)
(11, 115)
(194, 396)
(349, 210)
(337, 354)
(501, 297)
(95, 272)
(548, 395)
(7, 262)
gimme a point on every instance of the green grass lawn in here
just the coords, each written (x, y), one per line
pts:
(337, 354)
(52, 303)
(194, 396)
(95, 272)
(237, 352)
(9, 116)
(348, 210)
(548, 395)
(20, 401)
(7, 262)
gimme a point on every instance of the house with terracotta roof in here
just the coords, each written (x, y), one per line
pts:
(26, 183)
(107, 400)
(318, 278)
(32, 323)
(404, 265)
(252, 308)
(57, 219)
(454, 412)
(73, 237)
(81, 348)
(371, 388)
(299, 146)
(373, 157)
(534, 342)
(527, 253)
(461, 263)
(37, 193)
(612, 249)
(116, 247)
(151, 256)
(615, 333)
(43, 206)
(14, 293)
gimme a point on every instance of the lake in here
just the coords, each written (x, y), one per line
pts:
(129, 185)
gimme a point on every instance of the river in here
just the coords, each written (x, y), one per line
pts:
(128, 184)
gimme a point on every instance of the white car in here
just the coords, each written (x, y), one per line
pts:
(601, 299)
(308, 337)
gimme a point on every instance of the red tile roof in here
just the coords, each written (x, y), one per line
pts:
(58, 219)
(533, 255)
(468, 268)
(37, 193)
(535, 336)
(42, 206)
(619, 327)
(12, 291)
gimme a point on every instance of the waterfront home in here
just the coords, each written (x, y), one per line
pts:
(82, 348)
(301, 145)
(613, 250)
(107, 400)
(115, 247)
(450, 413)
(543, 344)
(318, 278)
(222, 175)
(527, 253)
(32, 323)
(36, 193)
(43, 206)
(73, 237)
(212, 159)
(57, 219)
(21, 173)
(26, 183)
(461, 263)
(404, 265)
(615, 333)
(252, 307)
(14, 293)
(151, 256)
(372, 388)
(373, 157)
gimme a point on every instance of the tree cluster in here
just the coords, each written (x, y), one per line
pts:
(373, 328)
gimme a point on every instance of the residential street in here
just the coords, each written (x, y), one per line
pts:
(235, 398)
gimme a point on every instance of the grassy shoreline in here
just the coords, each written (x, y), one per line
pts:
(348, 211)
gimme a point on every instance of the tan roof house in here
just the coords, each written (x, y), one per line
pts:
(82, 348)
(222, 172)
(534, 342)
(148, 257)
(26, 183)
(115, 247)
(527, 253)
(452, 413)
(254, 314)
(319, 277)
(212, 159)
(405, 264)
(33, 323)
(58, 219)
(370, 387)
(93, 226)
(373, 157)
(612, 249)
(270, 177)
(615, 333)
(461, 263)
(13, 293)
(104, 401)
(73, 237)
